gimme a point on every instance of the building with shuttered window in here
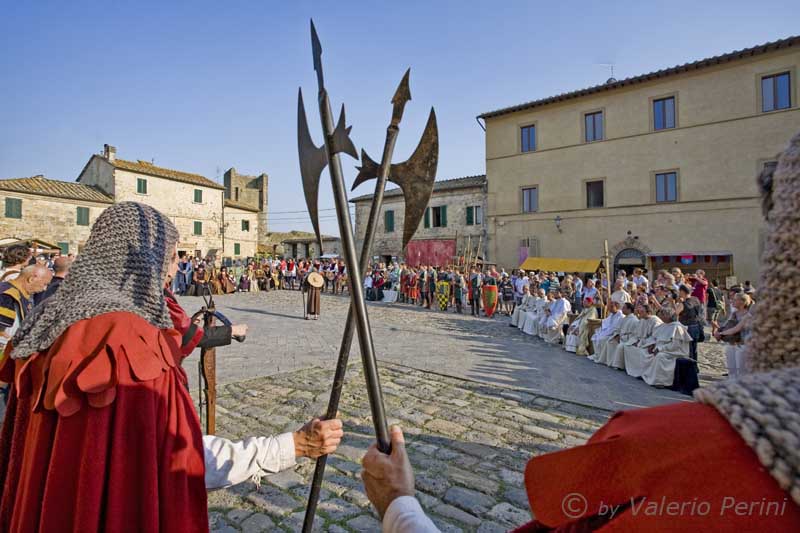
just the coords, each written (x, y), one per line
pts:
(662, 165)
(452, 224)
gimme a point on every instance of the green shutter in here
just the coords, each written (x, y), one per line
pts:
(83, 216)
(444, 216)
(470, 215)
(13, 208)
(198, 228)
(198, 196)
(427, 221)
(141, 185)
(237, 249)
(245, 225)
(64, 248)
(388, 221)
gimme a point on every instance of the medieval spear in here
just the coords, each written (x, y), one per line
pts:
(415, 177)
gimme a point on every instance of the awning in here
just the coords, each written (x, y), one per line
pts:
(558, 264)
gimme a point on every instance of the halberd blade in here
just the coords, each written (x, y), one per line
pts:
(312, 161)
(341, 142)
(414, 176)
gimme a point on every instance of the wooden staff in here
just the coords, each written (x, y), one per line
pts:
(468, 255)
(478, 249)
(608, 277)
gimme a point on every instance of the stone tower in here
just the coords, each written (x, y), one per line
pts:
(251, 191)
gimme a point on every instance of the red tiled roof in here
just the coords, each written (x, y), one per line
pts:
(55, 188)
(143, 167)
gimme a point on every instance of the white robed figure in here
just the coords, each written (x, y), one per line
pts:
(672, 342)
(577, 340)
(553, 332)
(627, 336)
(531, 322)
(609, 328)
(636, 354)
(522, 308)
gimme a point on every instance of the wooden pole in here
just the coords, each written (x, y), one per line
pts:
(468, 254)
(478, 250)
(608, 276)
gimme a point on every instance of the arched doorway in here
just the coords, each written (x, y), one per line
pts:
(629, 259)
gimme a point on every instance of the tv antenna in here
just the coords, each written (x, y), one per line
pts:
(612, 79)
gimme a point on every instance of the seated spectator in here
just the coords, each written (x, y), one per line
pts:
(615, 355)
(551, 330)
(671, 343)
(620, 295)
(531, 324)
(608, 330)
(636, 353)
(525, 303)
(577, 340)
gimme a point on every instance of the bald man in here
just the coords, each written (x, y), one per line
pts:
(60, 270)
(16, 298)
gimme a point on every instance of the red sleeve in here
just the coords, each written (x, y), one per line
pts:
(191, 333)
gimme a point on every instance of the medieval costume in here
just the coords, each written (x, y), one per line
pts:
(100, 432)
(627, 336)
(521, 308)
(552, 332)
(458, 291)
(671, 342)
(636, 353)
(531, 324)
(608, 330)
(313, 305)
(577, 340)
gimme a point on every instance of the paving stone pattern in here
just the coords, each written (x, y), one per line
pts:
(469, 443)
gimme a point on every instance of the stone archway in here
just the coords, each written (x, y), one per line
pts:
(628, 254)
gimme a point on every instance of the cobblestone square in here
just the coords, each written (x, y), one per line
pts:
(475, 398)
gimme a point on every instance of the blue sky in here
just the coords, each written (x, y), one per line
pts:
(203, 86)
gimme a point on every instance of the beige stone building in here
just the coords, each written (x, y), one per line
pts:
(454, 221)
(663, 165)
(213, 220)
(57, 212)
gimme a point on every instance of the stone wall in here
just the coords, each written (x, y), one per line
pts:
(252, 191)
(52, 220)
(247, 240)
(457, 201)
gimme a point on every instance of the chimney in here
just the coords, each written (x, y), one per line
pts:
(109, 152)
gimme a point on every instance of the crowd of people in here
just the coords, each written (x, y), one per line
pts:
(101, 434)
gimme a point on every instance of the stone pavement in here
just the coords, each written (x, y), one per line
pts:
(461, 346)
(468, 442)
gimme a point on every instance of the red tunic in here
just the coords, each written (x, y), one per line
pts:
(682, 465)
(101, 434)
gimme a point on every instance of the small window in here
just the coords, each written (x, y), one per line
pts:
(245, 225)
(530, 200)
(237, 248)
(141, 185)
(83, 216)
(593, 123)
(474, 215)
(667, 187)
(595, 196)
(664, 113)
(198, 196)
(13, 208)
(439, 216)
(776, 92)
(198, 228)
(64, 246)
(427, 217)
(528, 138)
(236, 192)
(388, 221)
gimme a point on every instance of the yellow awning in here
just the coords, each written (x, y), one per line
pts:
(559, 264)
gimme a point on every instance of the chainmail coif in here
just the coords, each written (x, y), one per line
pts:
(121, 268)
(764, 407)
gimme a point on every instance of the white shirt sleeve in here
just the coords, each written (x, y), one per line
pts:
(405, 515)
(229, 463)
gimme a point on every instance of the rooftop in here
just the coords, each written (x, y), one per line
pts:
(240, 205)
(145, 167)
(663, 73)
(55, 188)
(438, 186)
(308, 237)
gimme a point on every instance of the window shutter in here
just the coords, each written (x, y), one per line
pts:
(444, 216)
(388, 221)
(470, 216)
(236, 248)
(427, 221)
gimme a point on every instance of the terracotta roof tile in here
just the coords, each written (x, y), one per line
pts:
(55, 188)
(438, 186)
(678, 69)
(239, 205)
(144, 167)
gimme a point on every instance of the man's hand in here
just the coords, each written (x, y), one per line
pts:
(239, 330)
(318, 437)
(387, 477)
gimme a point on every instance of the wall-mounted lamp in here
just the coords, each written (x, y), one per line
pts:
(557, 220)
